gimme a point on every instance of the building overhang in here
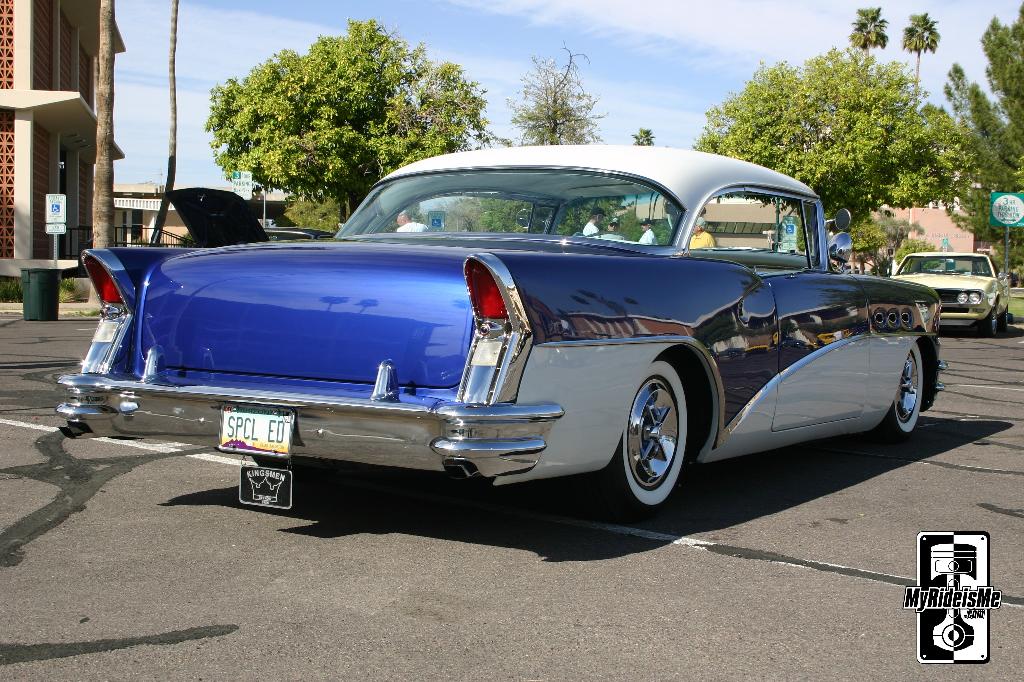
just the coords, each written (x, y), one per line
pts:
(85, 15)
(63, 112)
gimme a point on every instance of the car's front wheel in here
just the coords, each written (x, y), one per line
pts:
(645, 468)
(905, 409)
(1003, 320)
(990, 325)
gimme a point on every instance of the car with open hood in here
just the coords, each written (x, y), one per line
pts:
(472, 317)
(971, 291)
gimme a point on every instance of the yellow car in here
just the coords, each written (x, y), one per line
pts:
(971, 292)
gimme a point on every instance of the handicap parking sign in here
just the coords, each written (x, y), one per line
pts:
(56, 208)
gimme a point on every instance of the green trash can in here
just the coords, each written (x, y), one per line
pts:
(40, 292)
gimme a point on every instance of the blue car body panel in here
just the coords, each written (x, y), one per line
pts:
(330, 312)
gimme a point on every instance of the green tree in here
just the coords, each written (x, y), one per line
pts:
(331, 122)
(894, 234)
(996, 131)
(553, 107)
(869, 29)
(921, 35)
(913, 245)
(643, 138)
(320, 215)
(848, 126)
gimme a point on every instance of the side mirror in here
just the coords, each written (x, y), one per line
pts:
(840, 248)
(841, 223)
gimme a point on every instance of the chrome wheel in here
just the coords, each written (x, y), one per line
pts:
(907, 396)
(652, 434)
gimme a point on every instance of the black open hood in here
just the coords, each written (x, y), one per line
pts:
(214, 217)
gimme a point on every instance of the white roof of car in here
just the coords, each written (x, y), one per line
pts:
(690, 175)
(947, 254)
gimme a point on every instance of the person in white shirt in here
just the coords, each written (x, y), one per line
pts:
(647, 237)
(592, 228)
(407, 224)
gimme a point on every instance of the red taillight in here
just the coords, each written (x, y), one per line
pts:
(101, 279)
(484, 292)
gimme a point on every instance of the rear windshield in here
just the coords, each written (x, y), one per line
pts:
(567, 203)
(946, 265)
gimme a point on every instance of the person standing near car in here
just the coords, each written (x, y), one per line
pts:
(407, 224)
(592, 228)
(648, 238)
(701, 239)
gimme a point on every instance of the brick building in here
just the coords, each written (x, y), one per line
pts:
(47, 122)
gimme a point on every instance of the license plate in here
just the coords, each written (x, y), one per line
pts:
(265, 487)
(251, 429)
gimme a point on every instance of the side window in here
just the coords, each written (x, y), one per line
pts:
(757, 229)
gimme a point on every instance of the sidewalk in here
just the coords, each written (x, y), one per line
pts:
(66, 309)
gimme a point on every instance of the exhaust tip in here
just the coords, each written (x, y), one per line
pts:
(460, 468)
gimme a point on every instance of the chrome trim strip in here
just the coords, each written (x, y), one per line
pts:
(710, 367)
(488, 448)
(498, 383)
(102, 354)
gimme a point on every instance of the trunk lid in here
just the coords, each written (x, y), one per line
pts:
(215, 218)
(313, 311)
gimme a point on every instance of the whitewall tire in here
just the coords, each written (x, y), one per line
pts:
(646, 466)
(901, 419)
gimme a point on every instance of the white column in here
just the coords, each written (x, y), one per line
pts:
(71, 176)
(23, 183)
(23, 44)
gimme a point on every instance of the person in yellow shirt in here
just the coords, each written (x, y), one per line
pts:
(700, 238)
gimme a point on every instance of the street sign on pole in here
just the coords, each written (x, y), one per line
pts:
(56, 220)
(1006, 209)
(56, 208)
(241, 184)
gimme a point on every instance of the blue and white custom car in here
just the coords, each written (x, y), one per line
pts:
(518, 314)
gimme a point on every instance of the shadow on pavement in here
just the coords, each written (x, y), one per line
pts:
(359, 500)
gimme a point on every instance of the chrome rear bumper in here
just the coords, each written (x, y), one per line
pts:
(492, 440)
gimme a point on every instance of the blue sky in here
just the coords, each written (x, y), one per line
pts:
(659, 64)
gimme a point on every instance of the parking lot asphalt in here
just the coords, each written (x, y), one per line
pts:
(135, 559)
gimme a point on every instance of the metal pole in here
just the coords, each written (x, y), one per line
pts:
(55, 250)
(264, 208)
(1006, 254)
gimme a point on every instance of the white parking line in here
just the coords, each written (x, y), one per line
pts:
(217, 459)
(996, 388)
(141, 445)
(28, 425)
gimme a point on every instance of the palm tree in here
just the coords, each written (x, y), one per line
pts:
(643, 138)
(103, 182)
(172, 139)
(869, 29)
(920, 36)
